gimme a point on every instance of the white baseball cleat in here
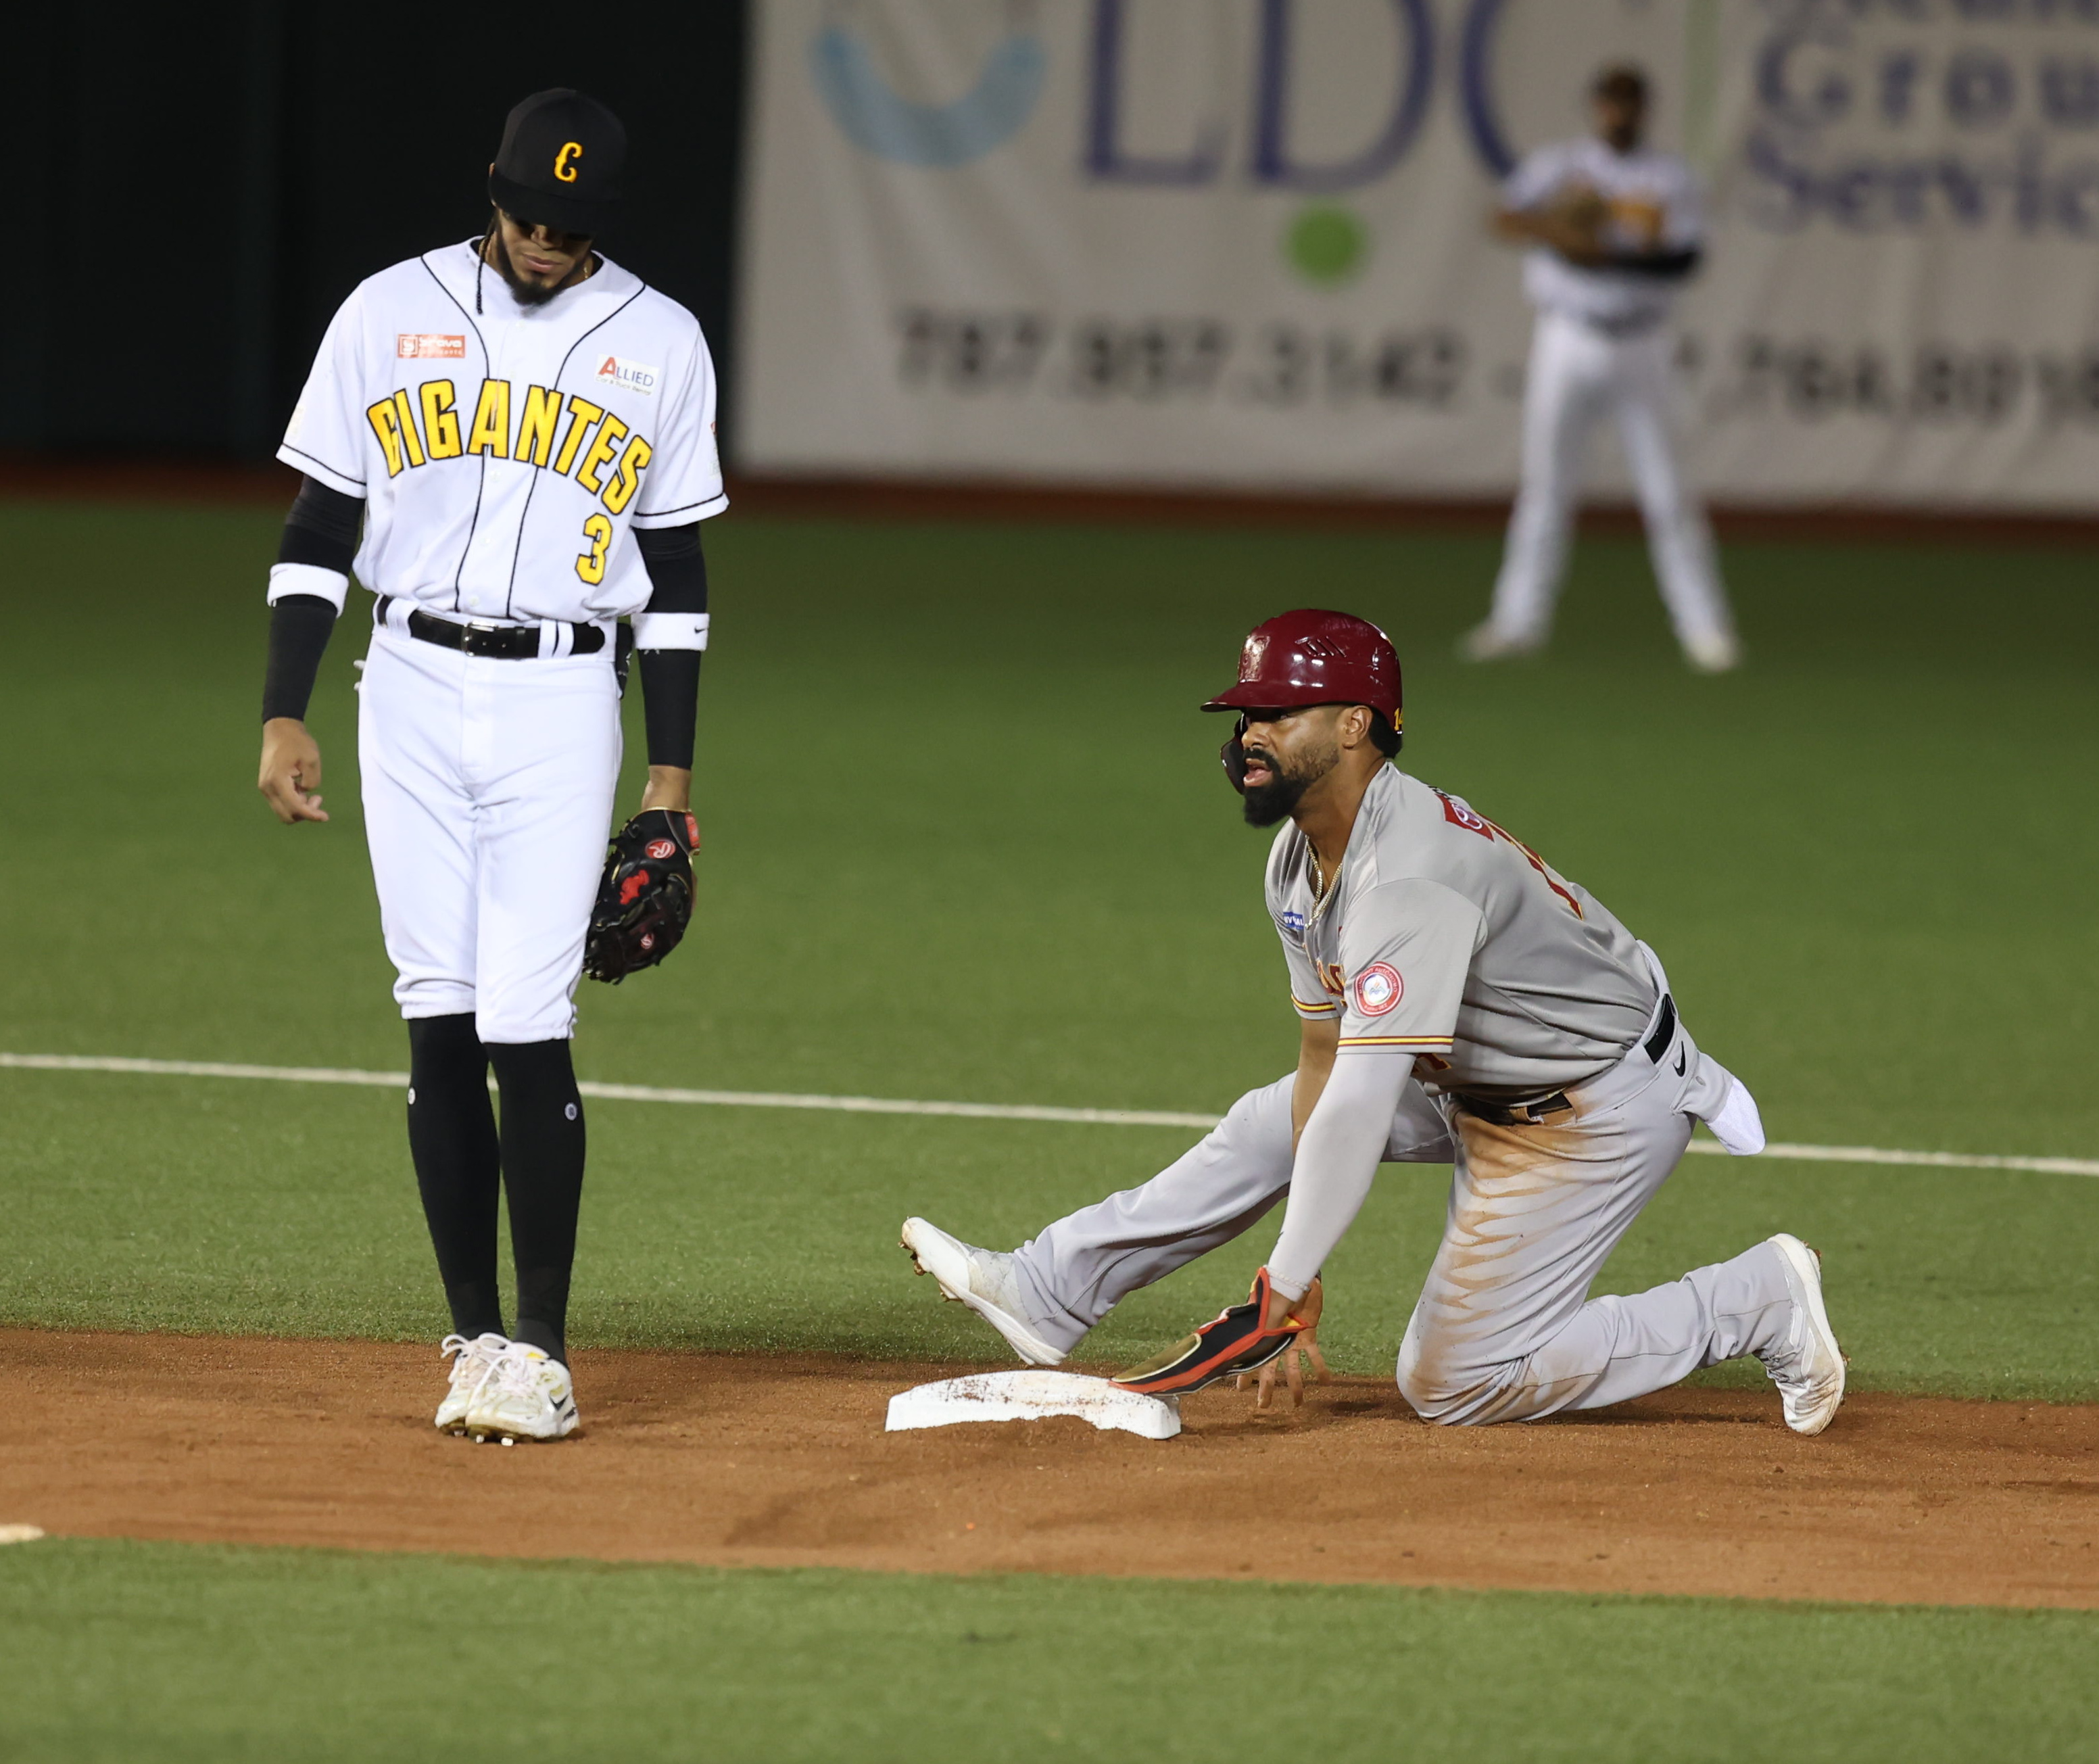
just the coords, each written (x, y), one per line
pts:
(1491, 643)
(527, 1396)
(1713, 652)
(983, 1280)
(472, 1362)
(1808, 1365)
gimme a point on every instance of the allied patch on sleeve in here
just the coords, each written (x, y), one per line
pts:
(1377, 989)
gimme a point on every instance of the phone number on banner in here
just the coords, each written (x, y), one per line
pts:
(1810, 378)
(1155, 360)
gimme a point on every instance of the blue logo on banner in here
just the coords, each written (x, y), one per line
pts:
(1476, 77)
(873, 117)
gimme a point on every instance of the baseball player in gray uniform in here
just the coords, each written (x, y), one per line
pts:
(1460, 1000)
(511, 440)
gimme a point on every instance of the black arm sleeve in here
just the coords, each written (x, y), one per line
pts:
(670, 704)
(670, 678)
(300, 625)
(677, 568)
(322, 528)
(1664, 265)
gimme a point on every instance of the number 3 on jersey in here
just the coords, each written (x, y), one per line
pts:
(590, 564)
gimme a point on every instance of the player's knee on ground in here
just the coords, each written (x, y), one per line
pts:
(1437, 1386)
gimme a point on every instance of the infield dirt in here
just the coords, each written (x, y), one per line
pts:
(751, 1461)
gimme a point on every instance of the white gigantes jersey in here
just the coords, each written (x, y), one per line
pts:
(504, 454)
(1651, 203)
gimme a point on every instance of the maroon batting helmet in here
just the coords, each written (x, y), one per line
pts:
(1309, 658)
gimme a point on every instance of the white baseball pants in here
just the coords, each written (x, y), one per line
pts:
(1504, 1329)
(488, 791)
(1576, 374)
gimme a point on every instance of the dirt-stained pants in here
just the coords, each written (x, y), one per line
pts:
(1504, 1329)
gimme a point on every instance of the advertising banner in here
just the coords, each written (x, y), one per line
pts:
(1244, 243)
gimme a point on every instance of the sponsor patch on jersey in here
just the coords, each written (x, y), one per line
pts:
(624, 375)
(1293, 927)
(1378, 988)
(660, 849)
(430, 345)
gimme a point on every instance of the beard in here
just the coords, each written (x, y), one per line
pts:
(1265, 804)
(524, 292)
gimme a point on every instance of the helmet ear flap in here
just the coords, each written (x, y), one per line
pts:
(1232, 755)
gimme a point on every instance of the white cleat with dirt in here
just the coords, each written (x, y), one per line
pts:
(983, 1280)
(526, 1397)
(472, 1362)
(1808, 1365)
(1716, 652)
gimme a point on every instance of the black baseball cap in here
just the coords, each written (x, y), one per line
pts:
(560, 163)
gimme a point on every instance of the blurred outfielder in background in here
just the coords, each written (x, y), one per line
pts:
(1239, 246)
(1613, 228)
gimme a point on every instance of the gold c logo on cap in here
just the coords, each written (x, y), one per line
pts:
(563, 169)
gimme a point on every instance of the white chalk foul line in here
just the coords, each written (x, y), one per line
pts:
(733, 1099)
(981, 1111)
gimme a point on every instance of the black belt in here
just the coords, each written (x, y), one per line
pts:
(1529, 1114)
(1532, 1113)
(506, 643)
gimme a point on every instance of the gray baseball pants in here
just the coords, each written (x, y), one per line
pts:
(1504, 1329)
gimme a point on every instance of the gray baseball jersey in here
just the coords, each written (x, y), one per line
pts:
(1448, 939)
(1445, 939)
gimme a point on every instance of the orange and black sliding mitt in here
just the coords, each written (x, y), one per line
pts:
(1234, 1342)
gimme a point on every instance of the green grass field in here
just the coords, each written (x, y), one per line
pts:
(473, 1661)
(966, 838)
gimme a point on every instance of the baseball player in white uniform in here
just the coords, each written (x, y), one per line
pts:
(1613, 230)
(510, 441)
(1459, 1001)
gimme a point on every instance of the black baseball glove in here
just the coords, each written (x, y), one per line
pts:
(645, 901)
